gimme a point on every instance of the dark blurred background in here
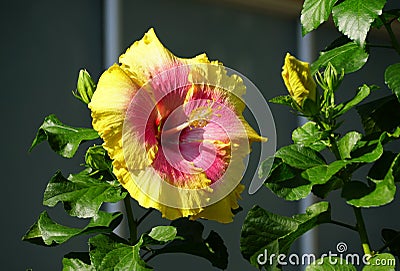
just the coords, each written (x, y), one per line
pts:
(46, 42)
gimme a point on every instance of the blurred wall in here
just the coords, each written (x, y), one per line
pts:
(43, 45)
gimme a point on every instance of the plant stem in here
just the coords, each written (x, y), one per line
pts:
(386, 245)
(362, 230)
(380, 45)
(94, 172)
(335, 148)
(344, 225)
(131, 220)
(393, 39)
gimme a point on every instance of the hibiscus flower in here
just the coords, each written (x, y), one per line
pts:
(174, 130)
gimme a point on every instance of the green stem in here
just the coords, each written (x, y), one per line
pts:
(334, 148)
(353, 228)
(131, 220)
(362, 231)
(94, 172)
(380, 45)
(392, 36)
(389, 243)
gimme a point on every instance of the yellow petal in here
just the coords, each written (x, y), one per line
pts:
(213, 78)
(148, 57)
(109, 105)
(297, 77)
(136, 192)
(222, 210)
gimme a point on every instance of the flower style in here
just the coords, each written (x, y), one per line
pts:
(174, 130)
(298, 80)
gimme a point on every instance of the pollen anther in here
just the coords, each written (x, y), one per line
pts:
(201, 116)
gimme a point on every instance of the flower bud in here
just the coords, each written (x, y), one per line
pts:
(330, 80)
(85, 87)
(298, 80)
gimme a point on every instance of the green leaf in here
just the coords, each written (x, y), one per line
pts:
(374, 115)
(62, 139)
(326, 178)
(354, 17)
(381, 262)
(391, 136)
(291, 183)
(284, 180)
(97, 158)
(396, 169)
(314, 13)
(322, 190)
(262, 228)
(392, 238)
(191, 241)
(392, 78)
(279, 171)
(310, 107)
(108, 254)
(300, 157)
(82, 256)
(81, 195)
(163, 233)
(292, 189)
(264, 259)
(367, 151)
(362, 93)
(71, 264)
(355, 152)
(382, 165)
(284, 100)
(347, 143)
(349, 57)
(378, 193)
(371, 150)
(77, 261)
(46, 232)
(388, 16)
(323, 173)
(309, 135)
(342, 40)
(331, 263)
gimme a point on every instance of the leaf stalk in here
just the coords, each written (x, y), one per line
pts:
(362, 230)
(132, 223)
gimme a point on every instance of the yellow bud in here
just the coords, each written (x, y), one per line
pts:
(298, 80)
